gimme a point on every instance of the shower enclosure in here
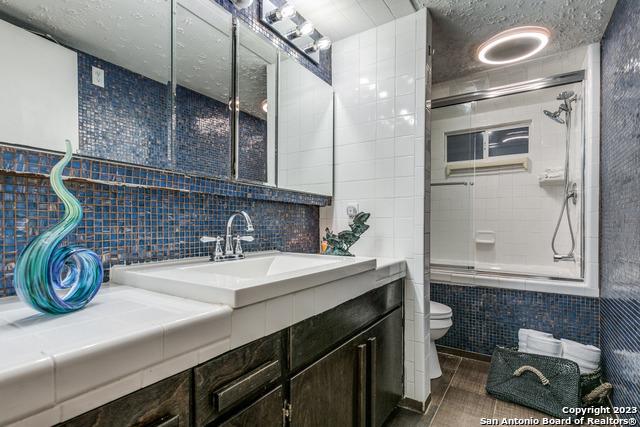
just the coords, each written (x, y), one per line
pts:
(507, 181)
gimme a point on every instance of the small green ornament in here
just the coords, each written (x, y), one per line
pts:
(339, 244)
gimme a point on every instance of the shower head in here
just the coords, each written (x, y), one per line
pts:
(563, 96)
(554, 116)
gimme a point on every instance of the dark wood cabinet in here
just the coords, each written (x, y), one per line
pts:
(163, 404)
(343, 367)
(313, 337)
(359, 383)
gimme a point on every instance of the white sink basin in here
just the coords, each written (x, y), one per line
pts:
(258, 277)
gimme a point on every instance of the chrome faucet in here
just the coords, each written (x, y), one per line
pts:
(230, 252)
(228, 249)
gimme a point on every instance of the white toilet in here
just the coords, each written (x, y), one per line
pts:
(439, 324)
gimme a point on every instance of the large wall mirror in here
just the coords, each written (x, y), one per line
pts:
(152, 83)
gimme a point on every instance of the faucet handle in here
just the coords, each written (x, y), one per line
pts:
(207, 239)
(239, 239)
(218, 250)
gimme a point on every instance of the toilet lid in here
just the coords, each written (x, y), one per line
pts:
(439, 311)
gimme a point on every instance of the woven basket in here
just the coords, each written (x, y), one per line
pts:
(547, 384)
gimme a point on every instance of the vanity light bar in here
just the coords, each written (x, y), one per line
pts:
(299, 33)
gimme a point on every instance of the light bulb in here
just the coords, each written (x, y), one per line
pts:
(264, 105)
(323, 44)
(305, 28)
(243, 4)
(287, 11)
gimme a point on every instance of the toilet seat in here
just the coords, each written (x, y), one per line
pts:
(439, 311)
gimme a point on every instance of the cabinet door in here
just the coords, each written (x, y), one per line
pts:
(332, 391)
(266, 412)
(357, 384)
(385, 365)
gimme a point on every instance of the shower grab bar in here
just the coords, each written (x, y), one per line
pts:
(442, 184)
(472, 165)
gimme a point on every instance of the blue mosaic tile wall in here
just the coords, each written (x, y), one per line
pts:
(134, 214)
(620, 203)
(484, 318)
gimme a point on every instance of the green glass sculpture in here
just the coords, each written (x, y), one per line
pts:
(339, 244)
(54, 279)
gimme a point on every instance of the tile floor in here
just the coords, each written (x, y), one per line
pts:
(458, 399)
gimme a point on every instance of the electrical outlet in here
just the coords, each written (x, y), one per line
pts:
(97, 76)
(352, 210)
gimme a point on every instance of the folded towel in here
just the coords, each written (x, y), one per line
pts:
(523, 334)
(588, 353)
(585, 367)
(586, 356)
(537, 344)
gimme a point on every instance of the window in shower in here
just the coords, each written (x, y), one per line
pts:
(504, 219)
(493, 142)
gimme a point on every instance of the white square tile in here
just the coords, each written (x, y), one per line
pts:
(86, 368)
(248, 324)
(34, 378)
(279, 313)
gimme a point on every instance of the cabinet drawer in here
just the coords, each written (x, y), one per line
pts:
(164, 404)
(313, 337)
(232, 379)
(266, 412)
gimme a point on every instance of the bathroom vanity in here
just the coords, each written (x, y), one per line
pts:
(307, 353)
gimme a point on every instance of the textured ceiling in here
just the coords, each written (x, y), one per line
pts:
(338, 19)
(461, 25)
(136, 35)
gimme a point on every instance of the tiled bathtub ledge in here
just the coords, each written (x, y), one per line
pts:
(55, 368)
(565, 287)
(15, 161)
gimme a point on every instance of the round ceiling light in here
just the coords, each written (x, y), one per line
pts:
(513, 45)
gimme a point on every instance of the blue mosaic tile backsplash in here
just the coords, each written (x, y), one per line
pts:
(134, 214)
(484, 318)
(620, 203)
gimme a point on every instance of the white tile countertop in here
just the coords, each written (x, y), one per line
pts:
(53, 368)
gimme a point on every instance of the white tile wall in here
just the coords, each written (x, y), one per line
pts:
(379, 79)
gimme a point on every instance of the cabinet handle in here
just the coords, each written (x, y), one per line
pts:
(236, 390)
(167, 421)
(361, 410)
(372, 343)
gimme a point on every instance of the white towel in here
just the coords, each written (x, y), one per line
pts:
(524, 333)
(586, 356)
(588, 353)
(546, 346)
